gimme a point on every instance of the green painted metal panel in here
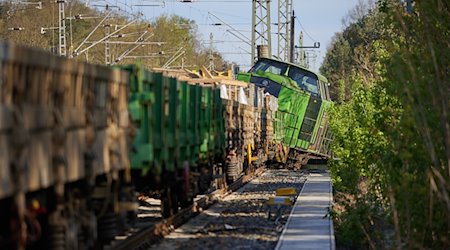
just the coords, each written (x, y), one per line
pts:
(208, 121)
(211, 124)
(158, 121)
(205, 123)
(184, 150)
(176, 122)
(170, 86)
(245, 77)
(139, 105)
(293, 103)
(296, 120)
(195, 96)
(302, 144)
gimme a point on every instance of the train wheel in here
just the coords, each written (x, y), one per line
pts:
(174, 200)
(165, 207)
(107, 227)
(169, 203)
(186, 191)
(56, 238)
(204, 181)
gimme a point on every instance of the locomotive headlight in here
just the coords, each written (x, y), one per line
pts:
(265, 83)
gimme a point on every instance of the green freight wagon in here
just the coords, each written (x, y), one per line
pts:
(178, 135)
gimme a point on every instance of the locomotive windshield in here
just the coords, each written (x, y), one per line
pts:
(305, 80)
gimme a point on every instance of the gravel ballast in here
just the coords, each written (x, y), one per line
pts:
(240, 220)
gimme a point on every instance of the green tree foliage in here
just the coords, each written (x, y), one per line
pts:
(352, 47)
(392, 179)
(34, 20)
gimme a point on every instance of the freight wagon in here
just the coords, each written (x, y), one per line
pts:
(78, 140)
(64, 171)
(194, 135)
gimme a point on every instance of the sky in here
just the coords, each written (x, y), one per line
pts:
(319, 20)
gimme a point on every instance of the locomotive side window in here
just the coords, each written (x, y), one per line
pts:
(305, 80)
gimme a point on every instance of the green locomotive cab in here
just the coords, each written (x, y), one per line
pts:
(303, 101)
(272, 74)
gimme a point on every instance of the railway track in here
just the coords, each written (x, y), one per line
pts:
(144, 238)
(240, 216)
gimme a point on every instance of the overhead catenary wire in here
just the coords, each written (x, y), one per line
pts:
(138, 42)
(194, 7)
(92, 32)
(241, 36)
(125, 9)
(304, 30)
(103, 39)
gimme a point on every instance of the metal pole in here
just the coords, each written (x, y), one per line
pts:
(284, 29)
(61, 28)
(211, 57)
(290, 32)
(107, 48)
(292, 36)
(268, 24)
(261, 34)
(301, 53)
(253, 59)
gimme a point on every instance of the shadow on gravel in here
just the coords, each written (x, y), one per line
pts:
(240, 221)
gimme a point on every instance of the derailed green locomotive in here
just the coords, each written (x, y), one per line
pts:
(303, 102)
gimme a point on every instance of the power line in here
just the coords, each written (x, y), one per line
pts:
(310, 37)
(227, 14)
(198, 1)
(218, 24)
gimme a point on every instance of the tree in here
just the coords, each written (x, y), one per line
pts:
(351, 51)
(392, 132)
